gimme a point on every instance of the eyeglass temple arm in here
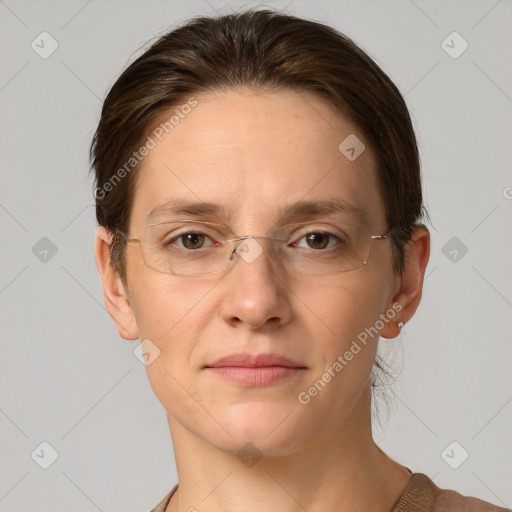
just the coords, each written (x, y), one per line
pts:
(119, 232)
(383, 237)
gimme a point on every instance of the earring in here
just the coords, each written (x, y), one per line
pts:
(400, 325)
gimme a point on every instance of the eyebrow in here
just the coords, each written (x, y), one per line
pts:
(288, 212)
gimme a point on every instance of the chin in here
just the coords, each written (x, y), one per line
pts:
(268, 427)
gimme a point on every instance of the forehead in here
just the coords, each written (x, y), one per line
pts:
(252, 153)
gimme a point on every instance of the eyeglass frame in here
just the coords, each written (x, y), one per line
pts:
(127, 240)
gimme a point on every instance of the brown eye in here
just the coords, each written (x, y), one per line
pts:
(192, 240)
(317, 240)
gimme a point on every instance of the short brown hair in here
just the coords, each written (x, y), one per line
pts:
(267, 51)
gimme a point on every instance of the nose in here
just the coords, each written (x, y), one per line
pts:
(255, 291)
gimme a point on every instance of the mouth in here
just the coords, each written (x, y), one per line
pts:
(255, 376)
(255, 370)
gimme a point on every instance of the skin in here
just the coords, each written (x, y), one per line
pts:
(245, 149)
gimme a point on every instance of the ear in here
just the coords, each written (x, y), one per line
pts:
(409, 285)
(114, 293)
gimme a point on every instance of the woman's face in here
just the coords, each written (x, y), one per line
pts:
(256, 155)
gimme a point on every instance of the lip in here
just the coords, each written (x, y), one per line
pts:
(255, 377)
(254, 370)
(247, 360)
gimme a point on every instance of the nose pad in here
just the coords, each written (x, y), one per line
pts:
(238, 244)
(249, 249)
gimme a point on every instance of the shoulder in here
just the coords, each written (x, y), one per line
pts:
(422, 495)
(163, 504)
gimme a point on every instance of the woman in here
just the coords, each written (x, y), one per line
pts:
(259, 198)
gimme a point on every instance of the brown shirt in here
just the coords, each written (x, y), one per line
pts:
(421, 495)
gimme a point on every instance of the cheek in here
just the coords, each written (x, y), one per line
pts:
(345, 305)
(157, 300)
(172, 312)
(166, 312)
(346, 309)
(162, 306)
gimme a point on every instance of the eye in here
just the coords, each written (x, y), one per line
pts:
(191, 240)
(319, 240)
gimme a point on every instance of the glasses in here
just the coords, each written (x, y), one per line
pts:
(199, 248)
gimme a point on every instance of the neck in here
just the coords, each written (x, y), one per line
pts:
(341, 470)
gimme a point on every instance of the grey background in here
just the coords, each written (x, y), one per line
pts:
(66, 376)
